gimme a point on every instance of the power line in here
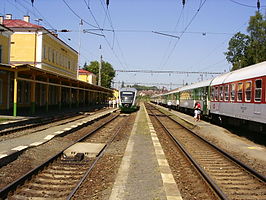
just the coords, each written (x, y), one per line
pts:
(192, 19)
(142, 83)
(166, 72)
(100, 29)
(114, 35)
(204, 33)
(78, 15)
(246, 5)
(38, 14)
(213, 51)
(170, 42)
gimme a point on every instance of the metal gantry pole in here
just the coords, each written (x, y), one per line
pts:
(100, 69)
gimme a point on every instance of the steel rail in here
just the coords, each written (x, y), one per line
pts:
(99, 156)
(12, 186)
(214, 186)
(235, 160)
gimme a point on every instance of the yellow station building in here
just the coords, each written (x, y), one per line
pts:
(43, 70)
(5, 40)
(34, 45)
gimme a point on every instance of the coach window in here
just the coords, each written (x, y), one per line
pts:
(239, 91)
(221, 93)
(216, 93)
(232, 92)
(226, 92)
(248, 91)
(212, 93)
(258, 85)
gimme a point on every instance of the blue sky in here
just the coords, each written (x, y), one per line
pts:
(133, 45)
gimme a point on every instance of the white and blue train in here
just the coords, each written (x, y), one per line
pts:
(127, 100)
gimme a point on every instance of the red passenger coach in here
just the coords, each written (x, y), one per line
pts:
(239, 97)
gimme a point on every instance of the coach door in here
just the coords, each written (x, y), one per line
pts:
(204, 100)
(258, 105)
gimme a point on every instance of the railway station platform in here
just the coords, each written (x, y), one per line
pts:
(246, 150)
(144, 172)
(11, 147)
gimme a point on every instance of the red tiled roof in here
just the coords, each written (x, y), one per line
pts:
(17, 23)
(83, 71)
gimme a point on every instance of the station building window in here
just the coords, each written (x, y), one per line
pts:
(44, 52)
(1, 91)
(239, 91)
(221, 93)
(248, 91)
(232, 92)
(1, 52)
(258, 89)
(49, 54)
(53, 56)
(226, 92)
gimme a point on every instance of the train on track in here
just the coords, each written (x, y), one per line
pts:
(127, 100)
(237, 98)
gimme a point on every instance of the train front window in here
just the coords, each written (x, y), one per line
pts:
(127, 96)
(239, 91)
(248, 91)
(258, 88)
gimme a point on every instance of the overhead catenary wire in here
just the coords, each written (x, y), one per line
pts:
(213, 51)
(36, 13)
(190, 22)
(85, 21)
(100, 29)
(166, 72)
(115, 38)
(170, 42)
(250, 6)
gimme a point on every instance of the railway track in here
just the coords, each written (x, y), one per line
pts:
(60, 176)
(227, 176)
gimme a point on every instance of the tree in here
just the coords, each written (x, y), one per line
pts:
(237, 50)
(245, 50)
(257, 30)
(107, 72)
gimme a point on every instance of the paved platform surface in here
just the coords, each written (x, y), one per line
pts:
(11, 146)
(144, 173)
(224, 138)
